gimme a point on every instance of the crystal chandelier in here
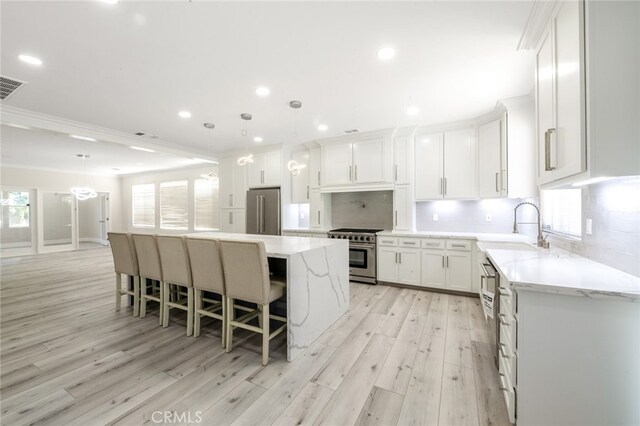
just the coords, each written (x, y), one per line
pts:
(83, 192)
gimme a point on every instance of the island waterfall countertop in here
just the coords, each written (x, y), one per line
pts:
(559, 271)
(317, 282)
(479, 236)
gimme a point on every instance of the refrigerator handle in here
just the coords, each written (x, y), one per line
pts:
(262, 214)
(257, 214)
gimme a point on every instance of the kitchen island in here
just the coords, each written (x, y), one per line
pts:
(317, 272)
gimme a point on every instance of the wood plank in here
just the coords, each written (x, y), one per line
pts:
(458, 340)
(421, 405)
(346, 403)
(492, 410)
(306, 407)
(458, 404)
(382, 408)
(28, 413)
(480, 330)
(229, 408)
(398, 313)
(437, 316)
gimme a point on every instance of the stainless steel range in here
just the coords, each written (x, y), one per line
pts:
(362, 252)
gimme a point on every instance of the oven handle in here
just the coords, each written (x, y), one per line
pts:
(361, 245)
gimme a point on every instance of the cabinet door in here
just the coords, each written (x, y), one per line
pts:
(387, 264)
(458, 270)
(569, 142)
(368, 161)
(545, 107)
(233, 221)
(315, 209)
(315, 174)
(460, 164)
(226, 182)
(272, 175)
(401, 167)
(239, 222)
(402, 208)
(428, 166)
(409, 266)
(255, 171)
(432, 269)
(239, 196)
(300, 183)
(490, 143)
(336, 164)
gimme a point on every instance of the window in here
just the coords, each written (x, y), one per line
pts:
(143, 200)
(562, 212)
(17, 204)
(174, 205)
(206, 204)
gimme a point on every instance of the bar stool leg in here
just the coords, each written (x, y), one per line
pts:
(143, 299)
(118, 289)
(164, 306)
(265, 334)
(230, 317)
(196, 315)
(136, 296)
(161, 304)
(224, 321)
(189, 311)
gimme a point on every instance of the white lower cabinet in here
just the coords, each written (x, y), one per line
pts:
(458, 269)
(233, 221)
(399, 260)
(433, 271)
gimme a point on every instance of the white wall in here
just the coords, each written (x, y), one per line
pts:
(47, 180)
(190, 174)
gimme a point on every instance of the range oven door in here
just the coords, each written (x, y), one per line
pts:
(362, 262)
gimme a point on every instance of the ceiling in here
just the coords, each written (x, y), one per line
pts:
(133, 66)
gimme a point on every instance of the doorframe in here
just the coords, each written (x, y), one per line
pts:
(33, 221)
(74, 223)
(105, 213)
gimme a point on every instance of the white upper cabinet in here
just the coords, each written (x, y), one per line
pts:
(233, 184)
(587, 103)
(402, 146)
(337, 164)
(429, 174)
(319, 209)
(368, 161)
(460, 164)
(266, 169)
(357, 162)
(490, 146)
(315, 169)
(300, 183)
(445, 165)
(403, 208)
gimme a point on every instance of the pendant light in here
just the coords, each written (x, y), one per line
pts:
(83, 192)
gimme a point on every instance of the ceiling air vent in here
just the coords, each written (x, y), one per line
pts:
(146, 135)
(8, 86)
(352, 131)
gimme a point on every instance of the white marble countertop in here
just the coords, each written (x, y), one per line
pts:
(479, 236)
(562, 272)
(306, 230)
(276, 245)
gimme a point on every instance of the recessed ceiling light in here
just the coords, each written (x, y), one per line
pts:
(30, 59)
(413, 110)
(263, 91)
(322, 127)
(257, 139)
(386, 53)
(139, 148)
(184, 114)
(83, 138)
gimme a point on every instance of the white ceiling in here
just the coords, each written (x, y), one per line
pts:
(57, 151)
(133, 65)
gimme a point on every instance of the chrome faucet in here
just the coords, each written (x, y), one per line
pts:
(541, 240)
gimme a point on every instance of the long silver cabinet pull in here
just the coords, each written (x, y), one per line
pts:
(396, 174)
(396, 218)
(547, 150)
(355, 172)
(441, 186)
(399, 257)
(350, 178)
(230, 200)
(497, 174)
(307, 192)
(447, 261)
(458, 245)
(318, 177)
(230, 218)
(443, 261)
(396, 257)
(318, 217)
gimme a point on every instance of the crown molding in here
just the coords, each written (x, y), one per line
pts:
(35, 120)
(541, 12)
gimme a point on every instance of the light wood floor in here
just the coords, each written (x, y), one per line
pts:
(398, 356)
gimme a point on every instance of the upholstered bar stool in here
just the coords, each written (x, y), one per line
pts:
(246, 276)
(149, 267)
(176, 271)
(206, 274)
(125, 262)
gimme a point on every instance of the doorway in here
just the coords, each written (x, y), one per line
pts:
(17, 230)
(93, 221)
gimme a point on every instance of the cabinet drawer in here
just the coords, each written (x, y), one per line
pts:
(507, 334)
(509, 397)
(433, 244)
(459, 245)
(387, 241)
(409, 242)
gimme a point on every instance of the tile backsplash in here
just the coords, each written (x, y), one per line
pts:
(614, 208)
(471, 216)
(347, 210)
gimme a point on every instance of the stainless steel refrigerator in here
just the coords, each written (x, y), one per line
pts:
(263, 211)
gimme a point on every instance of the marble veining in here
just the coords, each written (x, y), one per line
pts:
(561, 272)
